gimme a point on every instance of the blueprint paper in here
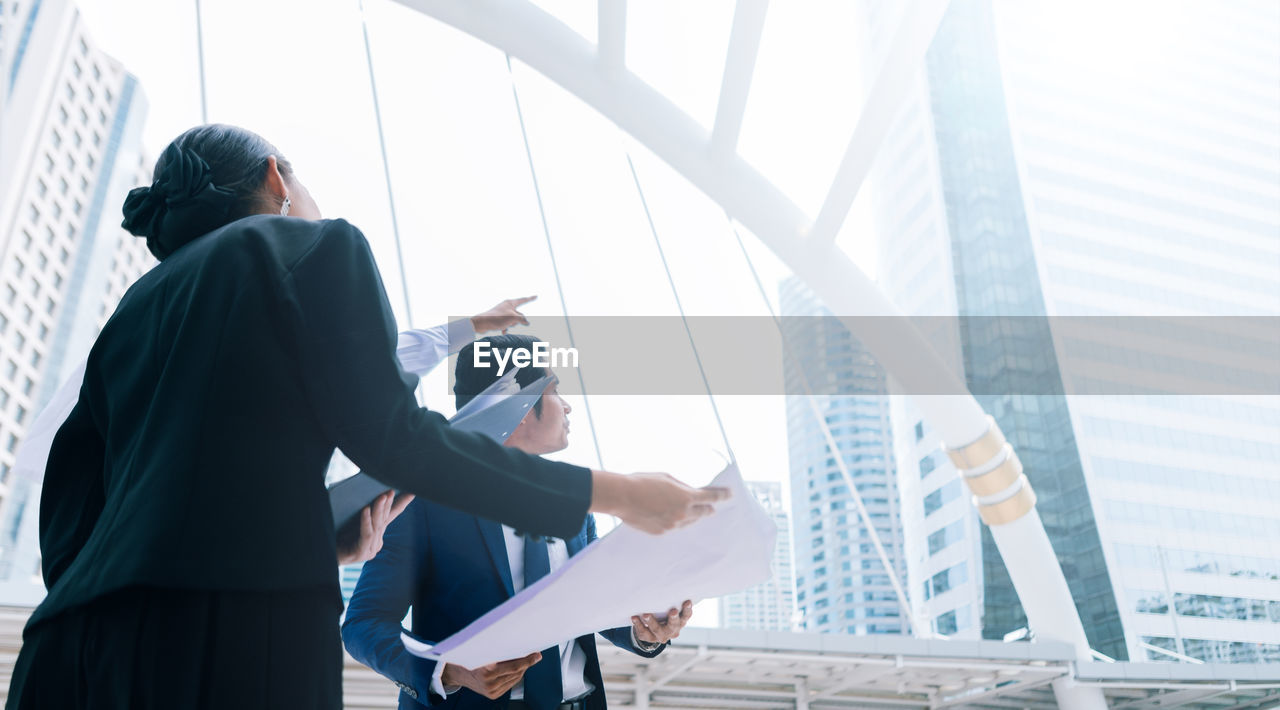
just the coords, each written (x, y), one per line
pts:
(500, 408)
(624, 573)
(33, 454)
(491, 395)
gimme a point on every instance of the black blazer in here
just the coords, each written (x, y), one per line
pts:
(212, 403)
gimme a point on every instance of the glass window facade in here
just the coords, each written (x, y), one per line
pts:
(1207, 606)
(1215, 651)
(946, 580)
(953, 621)
(948, 492)
(996, 274)
(945, 537)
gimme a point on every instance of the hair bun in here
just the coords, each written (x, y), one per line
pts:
(143, 210)
(183, 176)
(182, 203)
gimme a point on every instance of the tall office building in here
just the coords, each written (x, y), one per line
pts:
(70, 147)
(1095, 161)
(770, 605)
(841, 583)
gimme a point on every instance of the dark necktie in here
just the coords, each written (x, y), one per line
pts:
(543, 689)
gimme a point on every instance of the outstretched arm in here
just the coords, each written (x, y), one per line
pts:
(365, 405)
(419, 351)
(341, 320)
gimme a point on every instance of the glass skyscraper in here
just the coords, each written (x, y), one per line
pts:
(841, 583)
(1048, 167)
(71, 147)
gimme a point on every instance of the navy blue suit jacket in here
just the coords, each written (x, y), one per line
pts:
(452, 568)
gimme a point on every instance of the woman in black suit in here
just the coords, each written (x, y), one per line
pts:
(187, 542)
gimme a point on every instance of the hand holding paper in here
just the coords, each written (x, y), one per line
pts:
(652, 502)
(374, 520)
(625, 571)
(650, 628)
(492, 680)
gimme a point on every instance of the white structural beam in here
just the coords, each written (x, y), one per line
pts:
(739, 67)
(611, 35)
(684, 666)
(1019, 685)
(544, 43)
(892, 85)
(1176, 697)
(536, 38)
(860, 677)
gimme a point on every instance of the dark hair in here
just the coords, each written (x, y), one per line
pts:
(207, 177)
(470, 380)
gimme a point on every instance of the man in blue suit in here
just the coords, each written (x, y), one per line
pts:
(452, 568)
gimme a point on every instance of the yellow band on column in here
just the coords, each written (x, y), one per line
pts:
(981, 451)
(998, 478)
(1010, 509)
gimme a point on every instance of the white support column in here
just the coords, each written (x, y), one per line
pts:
(739, 68)
(859, 677)
(919, 23)
(642, 688)
(1006, 502)
(802, 693)
(611, 35)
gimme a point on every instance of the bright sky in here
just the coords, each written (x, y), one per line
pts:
(295, 72)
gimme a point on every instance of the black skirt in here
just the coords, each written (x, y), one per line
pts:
(159, 648)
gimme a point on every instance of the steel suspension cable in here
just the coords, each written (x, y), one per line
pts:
(546, 231)
(680, 306)
(386, 166)
(204, 102)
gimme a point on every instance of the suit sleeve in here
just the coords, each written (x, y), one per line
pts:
(73, 492)
(383, 595)
(419, 351)
(365, 404)
(621, 637)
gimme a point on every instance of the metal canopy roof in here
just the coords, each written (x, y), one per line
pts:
(746, 670)
(720, 668)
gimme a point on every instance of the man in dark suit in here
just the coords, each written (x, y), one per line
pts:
(452, 568)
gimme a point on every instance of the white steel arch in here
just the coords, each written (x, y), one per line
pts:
(597, 74)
